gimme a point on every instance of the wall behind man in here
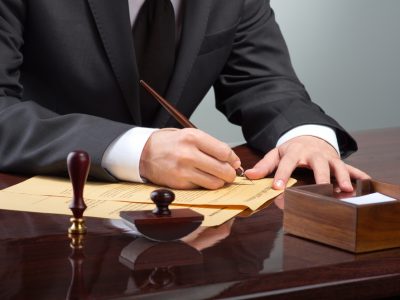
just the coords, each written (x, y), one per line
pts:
(347, 54)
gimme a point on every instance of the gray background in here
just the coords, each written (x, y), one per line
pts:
(347, 55)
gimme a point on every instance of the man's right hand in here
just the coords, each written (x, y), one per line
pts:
(187, 158)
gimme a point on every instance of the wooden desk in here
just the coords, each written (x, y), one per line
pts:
(252, 256)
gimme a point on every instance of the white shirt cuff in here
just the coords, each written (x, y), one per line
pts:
(122, 156)
(319, 131)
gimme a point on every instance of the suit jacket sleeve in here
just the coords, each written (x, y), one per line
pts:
(258, 88)
(35, 140)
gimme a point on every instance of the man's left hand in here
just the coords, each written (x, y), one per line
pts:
(309, 152)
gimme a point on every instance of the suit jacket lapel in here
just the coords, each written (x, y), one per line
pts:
(113, 24)
(193, 30)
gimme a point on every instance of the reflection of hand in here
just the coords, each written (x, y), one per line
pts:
(205, 237)
(310, 152)
(280, 201)
(187, 158)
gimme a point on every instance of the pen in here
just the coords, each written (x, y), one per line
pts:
(179, 117)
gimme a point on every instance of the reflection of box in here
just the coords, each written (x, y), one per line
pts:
(312, 212)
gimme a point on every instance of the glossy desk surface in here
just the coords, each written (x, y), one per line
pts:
(248, 256)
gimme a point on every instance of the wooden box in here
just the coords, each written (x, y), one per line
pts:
(314, 213)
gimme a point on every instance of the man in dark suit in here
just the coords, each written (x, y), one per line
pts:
(69, 80)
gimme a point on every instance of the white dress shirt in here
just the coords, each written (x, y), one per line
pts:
(122, 156)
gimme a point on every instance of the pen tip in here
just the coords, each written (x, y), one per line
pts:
(240, 172)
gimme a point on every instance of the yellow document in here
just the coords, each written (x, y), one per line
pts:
(242, 193)
(106, 200)
(213, 216)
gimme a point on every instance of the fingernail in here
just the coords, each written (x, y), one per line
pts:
(279, 184)
(237, 164)
(347, 185)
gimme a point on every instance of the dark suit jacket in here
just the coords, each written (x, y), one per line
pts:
(68, 78)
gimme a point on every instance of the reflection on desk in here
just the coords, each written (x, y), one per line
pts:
(250, 257)
(37, 265)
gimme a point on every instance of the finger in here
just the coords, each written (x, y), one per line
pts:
(357, 173)
(212, 166)
(265, 166)
(285, 168)
(177, 181)
(217, 149)
(321, 169)
(205, 180)
(342, 175)
(192, 179)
